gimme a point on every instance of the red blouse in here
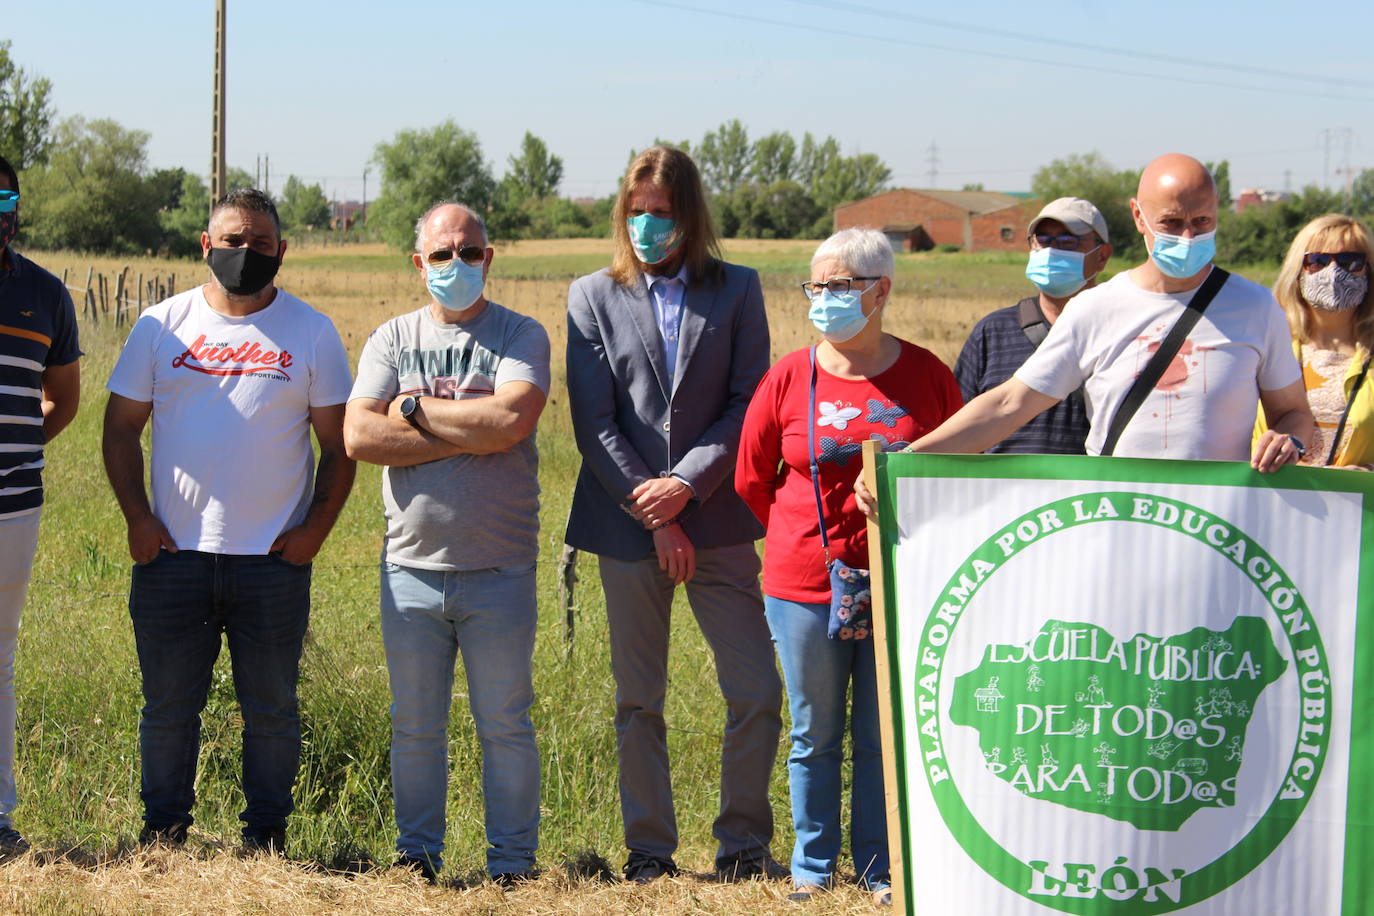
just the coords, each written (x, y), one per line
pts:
(773, 476)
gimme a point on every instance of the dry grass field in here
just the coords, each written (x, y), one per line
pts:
(78, 687)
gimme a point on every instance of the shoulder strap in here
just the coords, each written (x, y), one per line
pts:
(1033, 322)
(1345, 414)
(1154, 369)
(815, 464)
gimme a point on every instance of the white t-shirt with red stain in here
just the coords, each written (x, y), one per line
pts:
(1205, 404)
(232, 465)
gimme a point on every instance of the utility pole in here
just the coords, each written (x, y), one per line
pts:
(933, 158)
(363, 217)
(217, 167)
(267, 175)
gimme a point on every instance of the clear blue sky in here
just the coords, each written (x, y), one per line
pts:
(1000, 88)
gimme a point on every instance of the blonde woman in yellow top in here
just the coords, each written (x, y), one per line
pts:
(1324, 288)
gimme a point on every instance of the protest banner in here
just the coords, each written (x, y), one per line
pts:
(1124, 686)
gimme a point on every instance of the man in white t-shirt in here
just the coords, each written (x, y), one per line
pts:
(234, 374)
(447, 398)
(1237, 357)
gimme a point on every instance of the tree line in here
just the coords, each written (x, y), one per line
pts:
(88, 186)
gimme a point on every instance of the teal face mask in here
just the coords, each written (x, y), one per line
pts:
(838, 316)
(1179, 257)
(456, 285)
(1055, 272)
(651, 235)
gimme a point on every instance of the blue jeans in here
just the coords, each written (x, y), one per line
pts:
(489, 615)
(819, 672)
(180, 603)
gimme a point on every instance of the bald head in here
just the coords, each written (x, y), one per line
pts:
(1175, 174)
(448, 214)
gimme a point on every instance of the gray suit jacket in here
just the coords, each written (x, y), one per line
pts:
(630, 425)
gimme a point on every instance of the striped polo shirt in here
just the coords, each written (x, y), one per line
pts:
(37, 330)
(995, 349)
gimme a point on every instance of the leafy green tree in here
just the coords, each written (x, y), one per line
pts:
(724, 156)
(25, 114)
(846, 178)
(1221, 174)
(303, 206)
(535, 173)
(93, 195)
(420, 167)
(1091, 177)
(182, 223)
(782, 210)
(775, 159)
(815, 158)
(1362, 194)
(1262, 234)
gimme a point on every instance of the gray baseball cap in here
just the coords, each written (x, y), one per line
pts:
(1076, 213)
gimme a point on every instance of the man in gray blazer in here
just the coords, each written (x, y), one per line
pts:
(665, 349)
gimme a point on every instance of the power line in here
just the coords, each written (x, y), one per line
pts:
(906, 42)
(1083, 45)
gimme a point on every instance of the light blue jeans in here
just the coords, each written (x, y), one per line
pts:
(489, 615)
(819, 672)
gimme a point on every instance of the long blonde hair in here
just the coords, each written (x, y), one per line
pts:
(675, 172)
(1338, 232)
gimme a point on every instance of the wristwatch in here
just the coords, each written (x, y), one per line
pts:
(409, 404)
(1297, 443)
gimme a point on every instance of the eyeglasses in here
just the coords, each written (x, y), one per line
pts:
(1353, 261)
(8, 201)
(468, 254)
(1069, 242)
(836, 285)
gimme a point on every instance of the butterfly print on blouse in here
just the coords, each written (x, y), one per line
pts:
(831, 414)
(887, 446)
(837, 452)
(878, 412)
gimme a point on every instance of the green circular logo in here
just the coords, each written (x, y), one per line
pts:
(1189, 754)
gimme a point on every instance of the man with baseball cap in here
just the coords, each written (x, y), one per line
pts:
(1069, 246)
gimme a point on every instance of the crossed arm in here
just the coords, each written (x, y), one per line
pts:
(375, 431)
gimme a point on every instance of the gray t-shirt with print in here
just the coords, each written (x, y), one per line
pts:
(469, 511)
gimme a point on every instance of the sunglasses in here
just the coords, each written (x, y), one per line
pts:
(468, 254)
(1062, 242)
(8, 201)
(1352, 261)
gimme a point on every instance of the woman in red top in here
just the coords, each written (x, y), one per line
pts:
(869, 385)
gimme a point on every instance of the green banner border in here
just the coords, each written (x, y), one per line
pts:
(890, 467)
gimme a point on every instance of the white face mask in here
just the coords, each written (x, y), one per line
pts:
(1333, 288)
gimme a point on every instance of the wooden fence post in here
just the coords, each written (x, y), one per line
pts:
(567, 582)
(89, 303)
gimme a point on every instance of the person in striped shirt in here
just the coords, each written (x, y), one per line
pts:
(40, 383)
(1069, 247)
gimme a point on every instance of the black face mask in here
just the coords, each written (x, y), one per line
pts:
(9, 227)
(242, 271)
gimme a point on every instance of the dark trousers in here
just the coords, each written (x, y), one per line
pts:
(180, 604)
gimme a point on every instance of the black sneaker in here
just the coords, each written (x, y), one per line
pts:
(12, 842)
(267, 840)
(166, 835)
(747, 867)
(421, 865)
(643, 868)
(512, 879)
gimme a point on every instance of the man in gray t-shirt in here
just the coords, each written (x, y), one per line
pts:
(447, 398)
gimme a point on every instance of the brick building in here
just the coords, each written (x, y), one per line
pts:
(918, 220)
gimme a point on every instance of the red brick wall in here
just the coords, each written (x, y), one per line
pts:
(944, 223)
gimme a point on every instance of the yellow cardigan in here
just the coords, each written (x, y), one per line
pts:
(1359, 426)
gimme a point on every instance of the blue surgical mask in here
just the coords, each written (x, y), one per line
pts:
(1056, 272)
(650, 236)
(456, 285)
(1179, 257)
(838, 316)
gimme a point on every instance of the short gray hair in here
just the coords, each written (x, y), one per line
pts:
(424, 218)
(866, 252)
